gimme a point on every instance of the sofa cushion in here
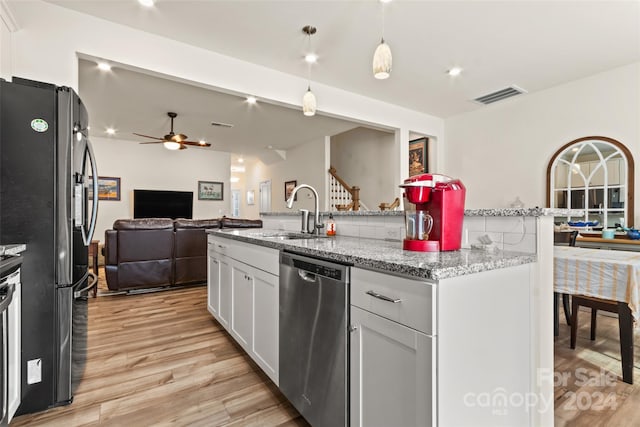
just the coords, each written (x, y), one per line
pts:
(240, 223)
(143, 224)
(197, 223)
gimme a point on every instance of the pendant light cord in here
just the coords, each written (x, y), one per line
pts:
(382, 22)
(309, 63)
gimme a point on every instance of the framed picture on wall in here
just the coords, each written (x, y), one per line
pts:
(251, 197)
(108, 188)
(210, 190)
(288, 189)
(418, 156)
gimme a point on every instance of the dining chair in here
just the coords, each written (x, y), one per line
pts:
(625, 323)
(562, 238)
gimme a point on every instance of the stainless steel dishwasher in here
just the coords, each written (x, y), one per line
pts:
(313, 338)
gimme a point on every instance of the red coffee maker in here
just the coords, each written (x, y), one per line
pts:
(433, 219)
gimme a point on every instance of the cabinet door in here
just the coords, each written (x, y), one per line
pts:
(265, 318)
(224, 310)
(392, 373)
(242, 305)
(213, 285)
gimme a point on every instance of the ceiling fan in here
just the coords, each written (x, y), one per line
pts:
(173, 141)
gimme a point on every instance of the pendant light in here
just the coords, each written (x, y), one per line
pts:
(382, 61)
(309, 99)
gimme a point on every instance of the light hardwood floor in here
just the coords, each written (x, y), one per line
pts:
(585, 395)
(161, 359)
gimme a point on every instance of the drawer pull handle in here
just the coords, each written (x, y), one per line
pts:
(383, 297)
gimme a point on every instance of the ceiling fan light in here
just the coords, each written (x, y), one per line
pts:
(309, 103)
(382, 61)
(170, 145)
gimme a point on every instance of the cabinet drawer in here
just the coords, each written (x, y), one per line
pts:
(260, 257)
(416, 307)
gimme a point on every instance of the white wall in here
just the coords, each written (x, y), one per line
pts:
(503, 150)
(367, 158)
(304, 164)
(153, 167)
(246, 183)
(7, 25)
(59, 35)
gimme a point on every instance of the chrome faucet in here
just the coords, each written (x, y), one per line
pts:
(317, 221)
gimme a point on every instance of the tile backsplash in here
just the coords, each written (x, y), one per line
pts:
(510, 233)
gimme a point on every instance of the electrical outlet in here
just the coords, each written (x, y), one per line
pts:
(34, 371)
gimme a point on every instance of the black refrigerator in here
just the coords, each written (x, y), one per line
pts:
(46, 162)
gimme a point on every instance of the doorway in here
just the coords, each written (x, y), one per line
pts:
(235, 203)
(265, 196)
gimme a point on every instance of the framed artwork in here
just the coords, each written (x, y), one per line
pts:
(108, 188)
(210, 190)
(418, 156)
(288, 189)
(251, 197)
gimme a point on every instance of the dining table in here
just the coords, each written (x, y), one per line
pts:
(610, 275)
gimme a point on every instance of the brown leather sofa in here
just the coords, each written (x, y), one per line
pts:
(159, 252)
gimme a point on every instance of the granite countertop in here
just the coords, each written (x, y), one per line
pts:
(386, 256)
(467, 212)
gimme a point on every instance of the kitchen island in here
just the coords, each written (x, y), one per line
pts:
(456, 350)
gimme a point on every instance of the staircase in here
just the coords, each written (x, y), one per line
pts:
(342, 196)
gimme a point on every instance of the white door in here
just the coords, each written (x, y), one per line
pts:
(391, 373)
(235, 203)
(213, 285)
(265, 196)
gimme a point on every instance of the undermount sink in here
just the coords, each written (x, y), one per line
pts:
(288, 235)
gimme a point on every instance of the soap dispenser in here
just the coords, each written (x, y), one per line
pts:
(331, 226)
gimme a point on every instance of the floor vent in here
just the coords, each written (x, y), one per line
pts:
(500, 95)
(222, 125)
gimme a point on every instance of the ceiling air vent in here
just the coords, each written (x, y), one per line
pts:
(222, 125)
(500, 95)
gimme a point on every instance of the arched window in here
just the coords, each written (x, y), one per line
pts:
(595, 175)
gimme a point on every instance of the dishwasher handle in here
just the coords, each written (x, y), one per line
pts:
(306, 276)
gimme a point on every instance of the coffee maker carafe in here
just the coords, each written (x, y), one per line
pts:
(434, 214)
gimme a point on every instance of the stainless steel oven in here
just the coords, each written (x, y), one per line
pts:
(8, 278)
(313, 338)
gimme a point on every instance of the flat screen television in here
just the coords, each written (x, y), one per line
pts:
(162, 204)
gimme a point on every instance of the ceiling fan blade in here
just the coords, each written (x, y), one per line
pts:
(153, 142)
(183, 147)
(147, 136)
(196, 144)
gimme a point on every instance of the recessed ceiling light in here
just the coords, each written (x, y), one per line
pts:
(111, 131)
(455, 71)
(251, 99)
(234, 179)
(385, 1)
(104, 66)
(240, 160)
(146, 3)
(311, 58)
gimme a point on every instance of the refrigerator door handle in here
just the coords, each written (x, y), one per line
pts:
(86, 237)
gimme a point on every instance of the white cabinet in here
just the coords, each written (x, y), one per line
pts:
(392, 370)
(213, 284)
(243, 295)
(218, 286)
(241, 305)
(266, 292)
(427, 353)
